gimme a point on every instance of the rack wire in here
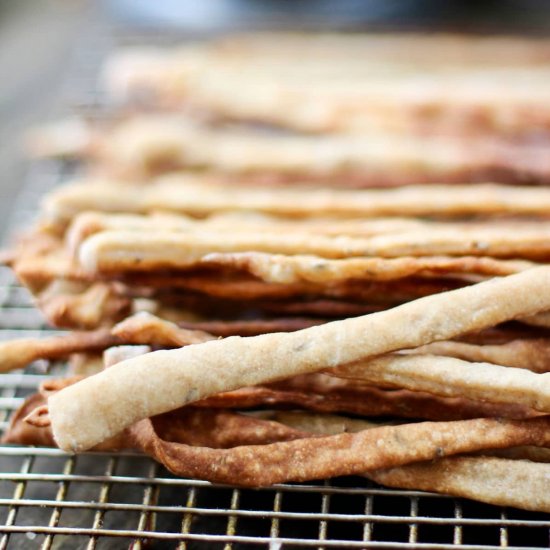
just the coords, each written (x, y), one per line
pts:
(49, 499)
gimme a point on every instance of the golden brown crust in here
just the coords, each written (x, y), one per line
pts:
(343, 454)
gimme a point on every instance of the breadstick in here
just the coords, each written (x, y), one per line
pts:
(360, 83)
(146, 145)
(364, 401)
(100, 406)
(529, 353)
(89, 223)
(502, 482)
(278, 268)
(325, 424)
(487, 479)
(335, 455)
(16, 354)
(211, 427)
(454, 378)
(126, 251)
(194, 196)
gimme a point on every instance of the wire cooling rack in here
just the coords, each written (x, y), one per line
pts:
(49, 499)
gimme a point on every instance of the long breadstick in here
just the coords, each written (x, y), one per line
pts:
(453, 377)
(325, 84)
(194, 196)
(130, 251)
(147, 144)
(88, 223)
(278, 268)
(16, 354)
(342, 454)
(499, 481)
(96, 408)
(487, 479)
(529, 353)
(363, 401)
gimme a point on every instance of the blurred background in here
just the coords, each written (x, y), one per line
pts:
(44, 43)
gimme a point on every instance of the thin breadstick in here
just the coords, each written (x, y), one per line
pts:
(319, 84)
(453, 377)
(85, 363)
(328, 424)
(129, 251)
(539, 320)
(363, 401)
(187, 195)
(530, 353)
(325, 424)
(89, 223)
(487, 479)
(37, 272)
(334, 455)
(245, 288)
(498, 481)
(16, 354)
(104, 404)
(535, 454)
(278, 268)
(149, 144)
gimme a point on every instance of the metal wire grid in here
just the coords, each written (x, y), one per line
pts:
(49, 499)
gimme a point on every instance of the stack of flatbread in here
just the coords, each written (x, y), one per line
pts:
(295, 257)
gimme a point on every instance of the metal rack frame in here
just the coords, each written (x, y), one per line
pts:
(49, 499)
